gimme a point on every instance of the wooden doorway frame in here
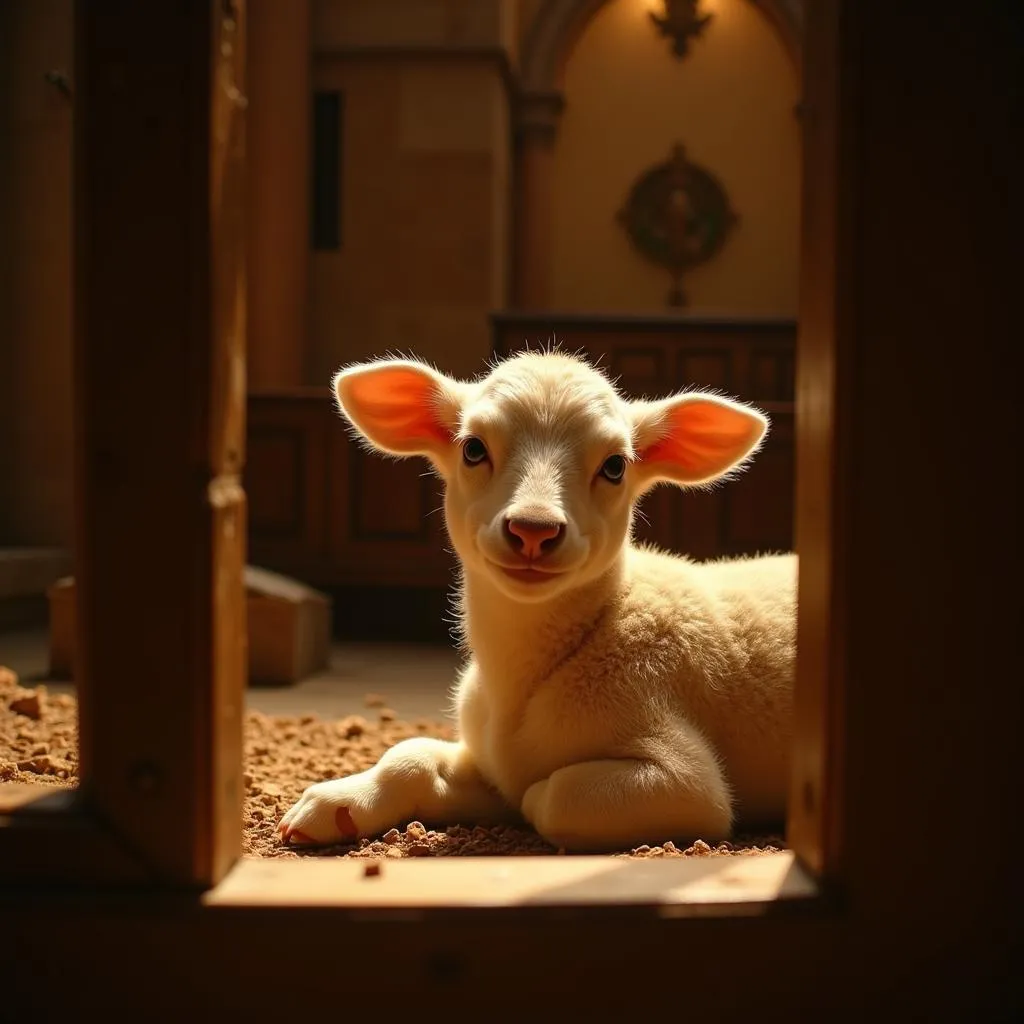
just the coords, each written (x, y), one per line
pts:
(145, 856)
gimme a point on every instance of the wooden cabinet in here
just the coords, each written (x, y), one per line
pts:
(385, 516)
(326, 511)
(286, 479)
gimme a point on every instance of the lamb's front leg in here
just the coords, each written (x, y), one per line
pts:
(619, 803)
(419, 778)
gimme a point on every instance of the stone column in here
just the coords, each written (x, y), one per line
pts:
(536, 122)
(278, 144)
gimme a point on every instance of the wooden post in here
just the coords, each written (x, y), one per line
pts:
(159, 411)
(823, 408)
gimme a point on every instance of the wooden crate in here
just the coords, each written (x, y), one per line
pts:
(289, 628)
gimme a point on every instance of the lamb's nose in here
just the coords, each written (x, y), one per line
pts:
(533, 537)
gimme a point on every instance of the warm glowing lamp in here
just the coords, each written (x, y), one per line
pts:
(680, 21)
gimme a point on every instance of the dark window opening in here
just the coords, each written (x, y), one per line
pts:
(325, 195)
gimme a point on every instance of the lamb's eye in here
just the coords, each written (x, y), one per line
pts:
(614, 468)
(474, 451)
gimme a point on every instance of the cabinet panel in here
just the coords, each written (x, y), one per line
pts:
(757, 507)
(285, 478)
(386, 523)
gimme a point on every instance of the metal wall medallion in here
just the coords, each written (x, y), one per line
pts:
(678, 216)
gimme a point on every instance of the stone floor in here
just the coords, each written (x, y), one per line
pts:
(414, 679)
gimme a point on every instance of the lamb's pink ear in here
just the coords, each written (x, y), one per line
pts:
(400, 406)
(694, 438)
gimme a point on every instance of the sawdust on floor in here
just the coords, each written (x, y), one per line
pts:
(283, 755)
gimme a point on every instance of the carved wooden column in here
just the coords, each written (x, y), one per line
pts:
(278, 203)
(537, 120)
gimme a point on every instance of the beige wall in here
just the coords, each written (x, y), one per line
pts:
(425, 180)
(407, 23)
(35, 275)
(731, 104)
(424, 212)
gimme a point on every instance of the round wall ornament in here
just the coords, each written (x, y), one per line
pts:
(678, 216)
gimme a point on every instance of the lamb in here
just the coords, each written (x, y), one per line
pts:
(612, 694)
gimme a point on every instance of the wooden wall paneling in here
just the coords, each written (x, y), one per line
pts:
(642, 370)
(756, 509)
(696, 525)
(388, 500)
(772, 373)
(286, 479)
(386, 527)
(700, 363)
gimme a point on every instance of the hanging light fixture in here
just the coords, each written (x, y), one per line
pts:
(680, 21)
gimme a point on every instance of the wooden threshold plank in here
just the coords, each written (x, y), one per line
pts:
(20, 796)
(751, 883)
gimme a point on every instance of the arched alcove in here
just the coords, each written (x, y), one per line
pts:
(550, 47)
(560, 23)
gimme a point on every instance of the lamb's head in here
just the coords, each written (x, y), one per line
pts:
(543, 460)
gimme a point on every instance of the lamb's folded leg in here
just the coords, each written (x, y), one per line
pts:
(617, 804)
(420, 778)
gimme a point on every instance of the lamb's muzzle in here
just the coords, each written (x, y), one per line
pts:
(533, 538)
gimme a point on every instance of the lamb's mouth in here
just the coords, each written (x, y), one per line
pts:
(529, 574)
